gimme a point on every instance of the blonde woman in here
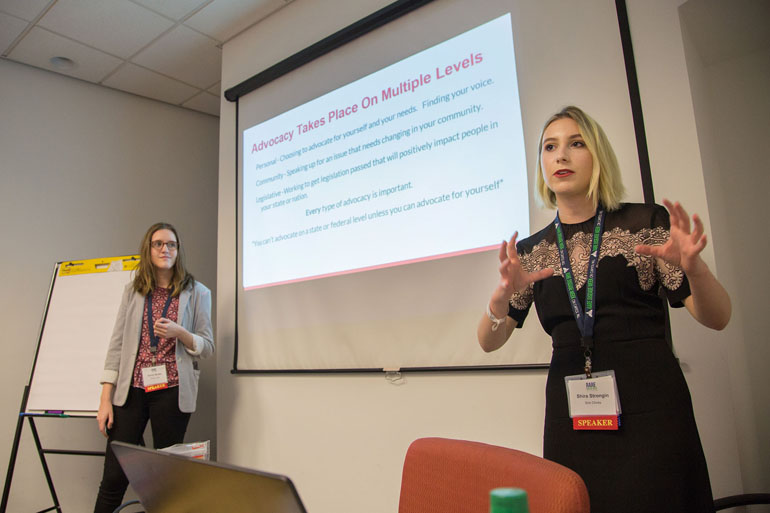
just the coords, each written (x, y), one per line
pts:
(151, 371)
(618, 410)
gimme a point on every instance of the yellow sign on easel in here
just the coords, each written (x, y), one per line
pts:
(99, 265)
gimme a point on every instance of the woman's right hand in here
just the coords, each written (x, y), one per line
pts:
(104, 415)
(104, 418)
(513, 278)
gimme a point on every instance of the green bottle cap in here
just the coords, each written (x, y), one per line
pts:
(508, 500)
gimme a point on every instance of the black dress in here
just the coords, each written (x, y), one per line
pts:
(654, 462)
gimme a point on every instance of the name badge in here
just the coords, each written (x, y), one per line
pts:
(594, 402)
(154, 378)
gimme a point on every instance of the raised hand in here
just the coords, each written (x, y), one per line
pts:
(513, 278)
(685, 242)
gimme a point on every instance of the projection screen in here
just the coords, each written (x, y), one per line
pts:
(375, 183)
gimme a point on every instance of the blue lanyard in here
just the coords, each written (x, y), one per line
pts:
(154, 339)
(585, 318)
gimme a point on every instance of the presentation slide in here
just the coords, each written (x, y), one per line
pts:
(421, 160)
(376, 181)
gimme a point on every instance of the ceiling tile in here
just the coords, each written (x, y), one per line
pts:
(204, 102)
(186, 55)
(39, 45)
(175, 9)
(117, 27)
(137, 80)
(216, 89)
(10, 28)
(222, 19)
(24, 9)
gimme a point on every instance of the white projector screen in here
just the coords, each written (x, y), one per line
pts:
(376, 182)
(407, 159)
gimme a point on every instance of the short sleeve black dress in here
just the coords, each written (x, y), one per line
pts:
(654, 462)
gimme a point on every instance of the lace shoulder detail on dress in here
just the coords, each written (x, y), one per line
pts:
(614, 242)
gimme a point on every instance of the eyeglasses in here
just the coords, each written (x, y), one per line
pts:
(172, 245)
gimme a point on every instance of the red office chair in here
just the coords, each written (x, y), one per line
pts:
(455, 476)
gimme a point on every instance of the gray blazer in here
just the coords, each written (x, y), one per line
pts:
(194, 316)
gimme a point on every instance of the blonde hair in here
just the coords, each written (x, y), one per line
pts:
(606, 186)
(144, 279)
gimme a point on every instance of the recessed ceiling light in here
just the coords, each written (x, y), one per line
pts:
(62, 63)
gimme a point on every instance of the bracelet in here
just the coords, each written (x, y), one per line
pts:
(495, 321)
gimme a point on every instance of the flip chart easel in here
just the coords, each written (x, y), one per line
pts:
(83, 300)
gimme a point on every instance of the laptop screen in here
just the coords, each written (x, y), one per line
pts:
(168, 483)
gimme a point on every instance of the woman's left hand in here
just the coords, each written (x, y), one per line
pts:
(708, 301)
(167, 328)
(684, 245)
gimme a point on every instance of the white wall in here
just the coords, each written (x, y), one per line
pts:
(740, 103)
(677, 174)
(84, 171)
(732, 109)
(698, 123)
(342, 438)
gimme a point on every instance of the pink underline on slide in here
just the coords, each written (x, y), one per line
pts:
(381, 266)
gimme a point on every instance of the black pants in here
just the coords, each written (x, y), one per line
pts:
(168, 425)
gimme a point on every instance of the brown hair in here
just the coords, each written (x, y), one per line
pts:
(144, 280)
(606, 186)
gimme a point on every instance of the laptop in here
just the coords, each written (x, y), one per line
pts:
(169, 483)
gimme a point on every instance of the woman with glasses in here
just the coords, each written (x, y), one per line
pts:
(151, 371)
